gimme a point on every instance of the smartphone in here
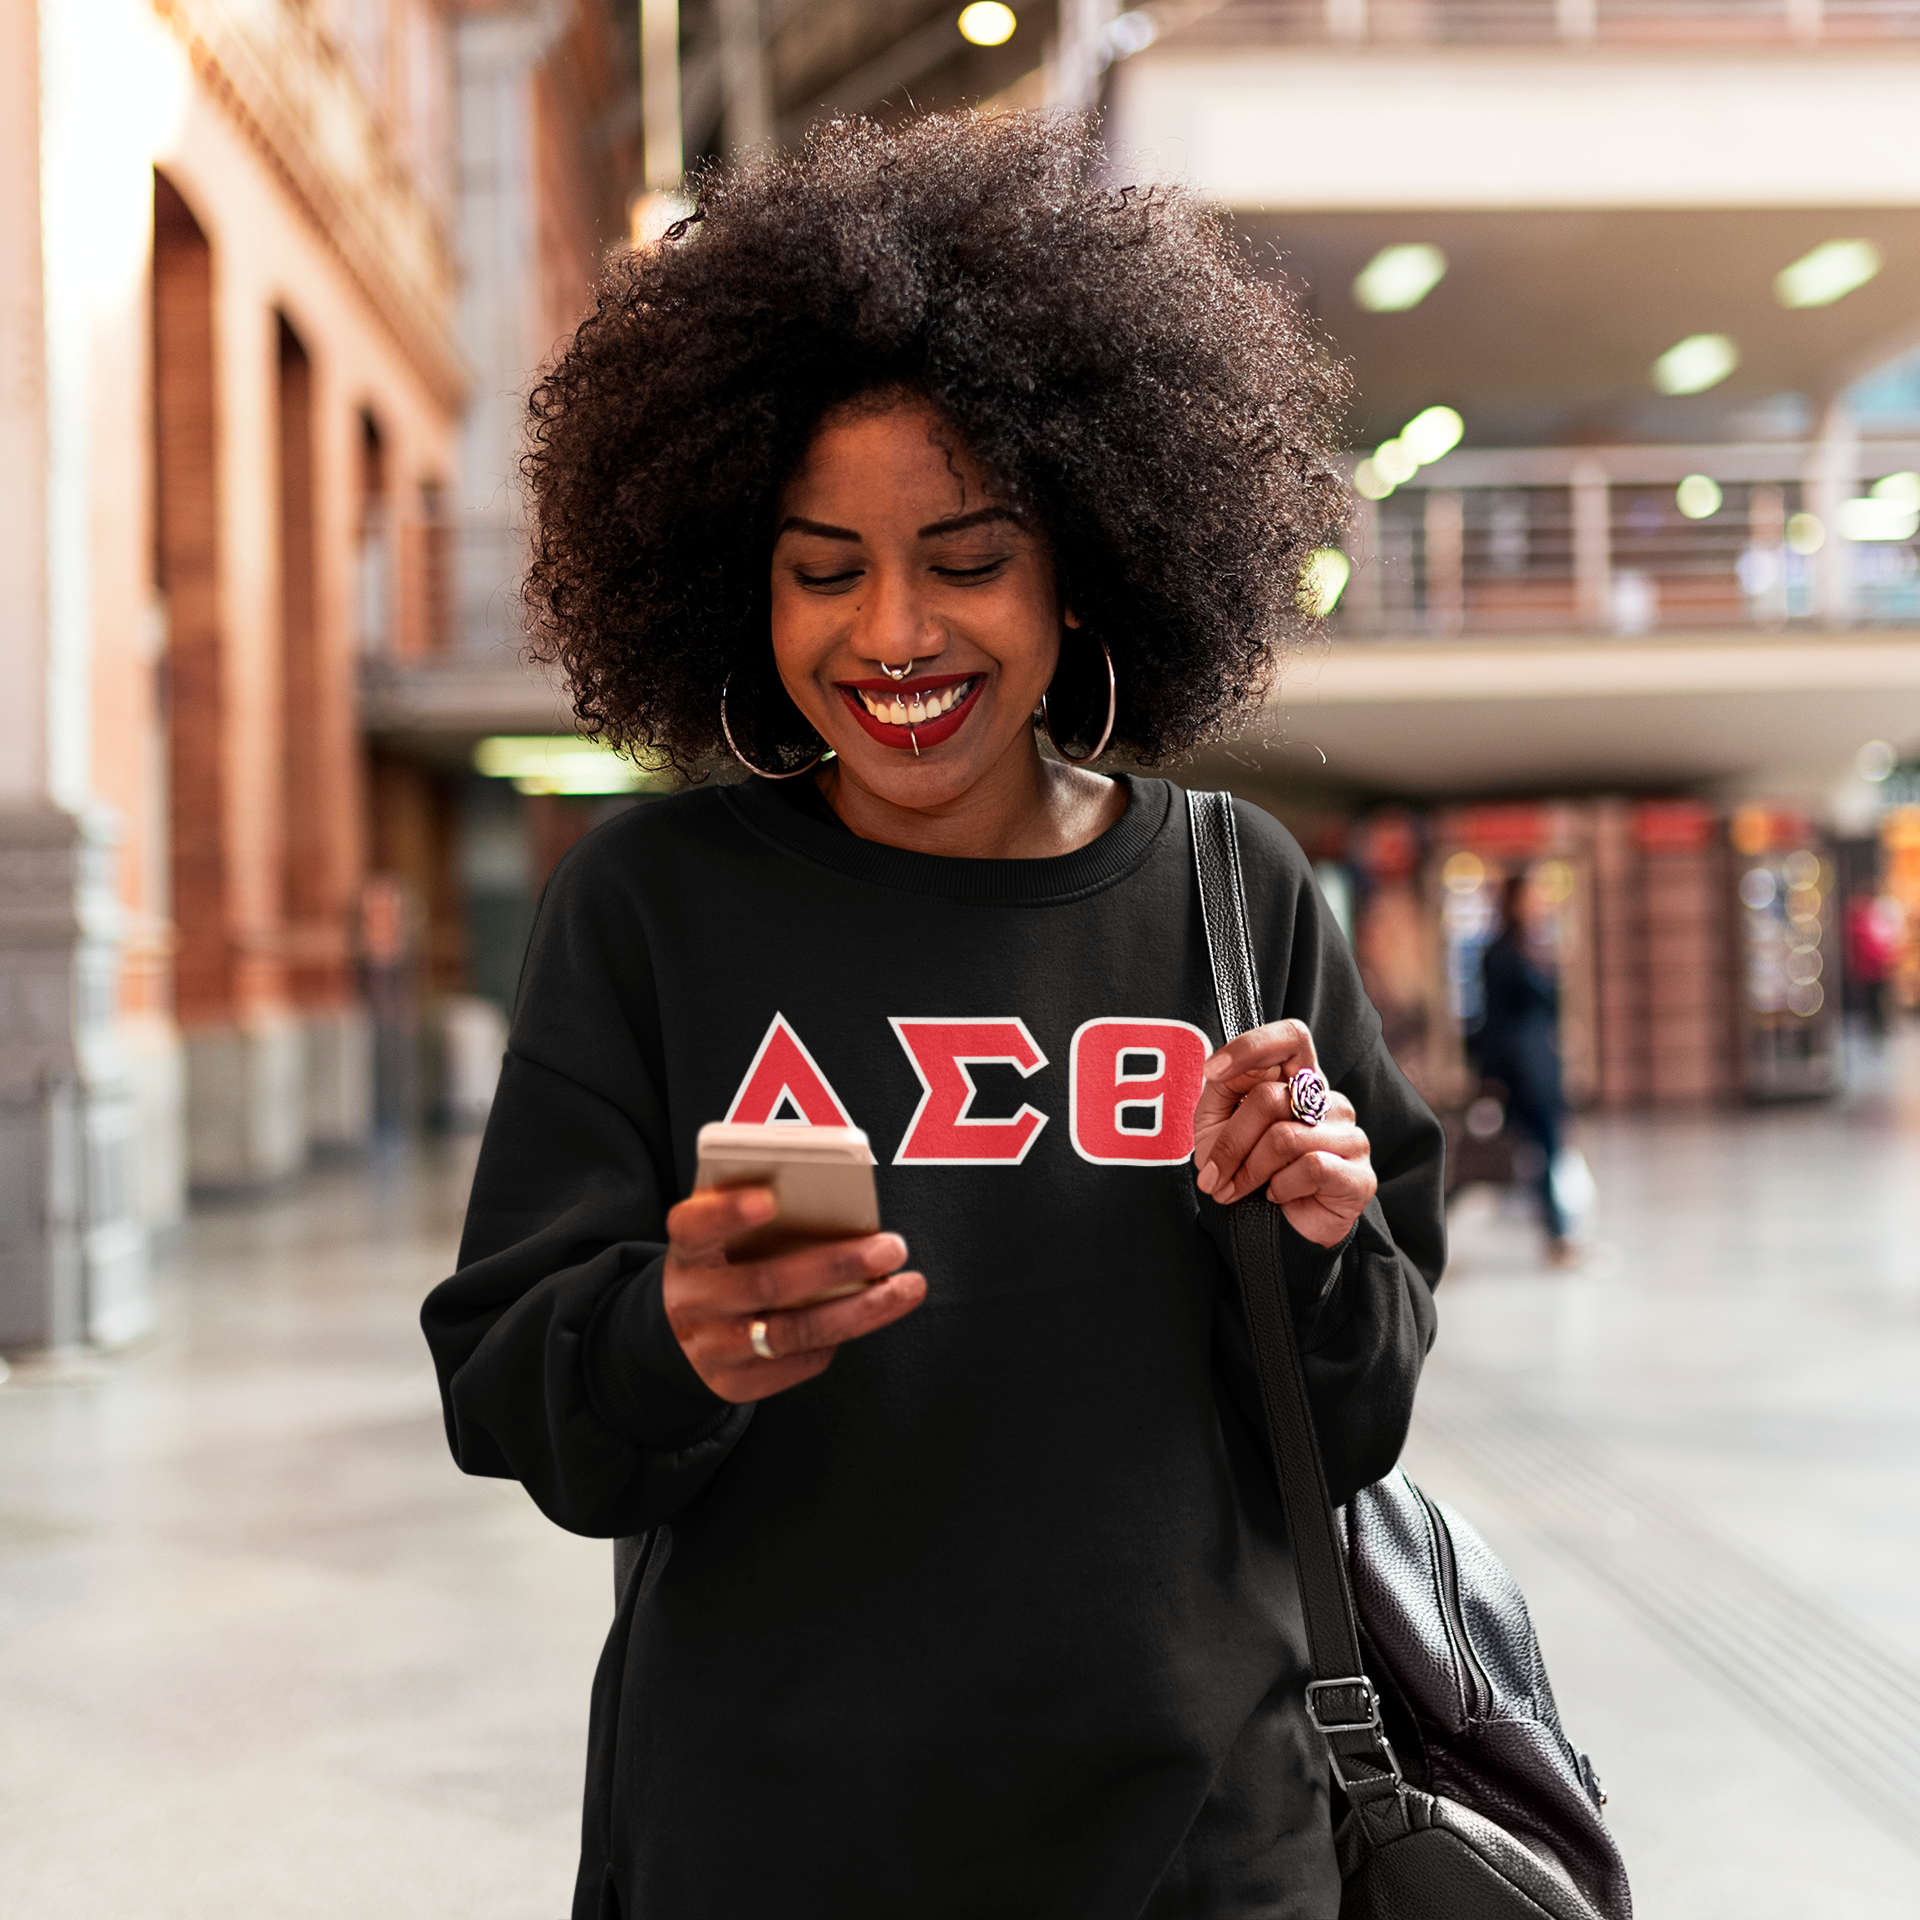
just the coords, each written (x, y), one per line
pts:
(822, 1178)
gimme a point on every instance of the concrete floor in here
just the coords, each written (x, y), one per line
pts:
(263, 1653)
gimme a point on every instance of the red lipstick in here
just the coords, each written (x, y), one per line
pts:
(916, 735)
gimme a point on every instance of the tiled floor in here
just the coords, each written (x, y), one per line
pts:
(263, 1654)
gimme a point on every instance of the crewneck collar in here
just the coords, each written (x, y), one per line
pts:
(766, 811)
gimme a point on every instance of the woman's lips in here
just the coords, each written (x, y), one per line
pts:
(943, 705)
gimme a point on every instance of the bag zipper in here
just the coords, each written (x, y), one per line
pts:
(1479, 1688)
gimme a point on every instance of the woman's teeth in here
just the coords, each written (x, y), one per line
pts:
(916, 709)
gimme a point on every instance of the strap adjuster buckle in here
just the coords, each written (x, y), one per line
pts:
(1359, 1685)
(1323, 1700)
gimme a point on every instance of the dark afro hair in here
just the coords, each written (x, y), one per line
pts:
(1105, 354)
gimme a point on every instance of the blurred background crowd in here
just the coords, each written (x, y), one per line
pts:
(1619, 682)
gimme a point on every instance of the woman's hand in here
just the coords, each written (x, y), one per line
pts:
(714, 1306)
(1245, 1136)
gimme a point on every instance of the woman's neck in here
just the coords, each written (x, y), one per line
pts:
(1026, 808)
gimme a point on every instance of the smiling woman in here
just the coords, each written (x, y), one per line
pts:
(959, 1588)
(1159, 419)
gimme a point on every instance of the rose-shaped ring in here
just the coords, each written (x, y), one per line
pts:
(1308, 1092)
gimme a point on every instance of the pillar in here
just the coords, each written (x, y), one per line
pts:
(73, 1258)
(246, 1119)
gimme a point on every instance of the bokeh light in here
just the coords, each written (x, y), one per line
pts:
(1399, 277)
(987, 23)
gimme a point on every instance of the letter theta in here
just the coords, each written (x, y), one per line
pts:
(1133, 1087)
(785, 1087)
(942, 1132)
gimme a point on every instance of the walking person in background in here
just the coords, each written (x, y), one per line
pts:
(1873, 949)
(1519, 1045)
(965, 1589)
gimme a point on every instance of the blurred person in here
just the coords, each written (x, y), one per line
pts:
(1873, 950)
(968, 1593)
(1519, 1046)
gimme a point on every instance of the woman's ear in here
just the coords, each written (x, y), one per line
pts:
(1069, 616)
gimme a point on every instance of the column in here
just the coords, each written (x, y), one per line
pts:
(1833, 477)
(73, 1258)
(1592, 545)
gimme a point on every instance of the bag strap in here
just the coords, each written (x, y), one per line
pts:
(1341, 1700)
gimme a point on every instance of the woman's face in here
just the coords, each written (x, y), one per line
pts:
(892, 548)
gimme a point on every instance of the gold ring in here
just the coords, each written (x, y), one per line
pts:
(757, 1340)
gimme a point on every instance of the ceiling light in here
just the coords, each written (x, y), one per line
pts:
(1370, 483)
(1323, 580)
(1903, 487)
(1698, 496)
(987, 23)
(1700, 361)
(1397, 278)
(1430, 434)
(1876, 760)
(1805, 533)
(1829, 273)
(1395, 463)
(558, 763)
(1871, 519)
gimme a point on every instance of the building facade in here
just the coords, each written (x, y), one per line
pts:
(254, 275)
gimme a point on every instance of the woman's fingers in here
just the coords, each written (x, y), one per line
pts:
(801, 1340)
(1343, 1186)
(840, 1266)
(1268, 1054)
(1266, 1110)
(1280, 1046)
(713, 1305)
(700, 1226)
(803, 1330)
(1282, 1148)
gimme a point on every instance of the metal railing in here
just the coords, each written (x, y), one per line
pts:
(1577, 22)
(1641, 540)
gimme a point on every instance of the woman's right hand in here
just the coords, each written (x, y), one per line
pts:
(714, 1305)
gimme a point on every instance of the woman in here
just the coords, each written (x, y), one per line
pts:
(968, 1593)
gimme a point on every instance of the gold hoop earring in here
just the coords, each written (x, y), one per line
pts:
(1106, 732)
(733, 746)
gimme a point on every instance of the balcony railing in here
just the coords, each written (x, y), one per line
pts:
(1641, 540)
(1579, 22)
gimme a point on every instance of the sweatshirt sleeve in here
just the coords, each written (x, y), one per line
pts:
(1364, 1309)
(557, 1366)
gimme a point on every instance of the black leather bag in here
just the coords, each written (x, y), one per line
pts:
(1463, 1798)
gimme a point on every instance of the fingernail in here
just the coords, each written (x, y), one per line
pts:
(1209, 1177)
(759, 1203)
(884, 1257)
(1216, 1068)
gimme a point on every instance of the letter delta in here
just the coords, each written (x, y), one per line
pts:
(1132, 1084)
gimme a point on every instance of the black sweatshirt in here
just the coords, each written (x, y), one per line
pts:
(997, 1616)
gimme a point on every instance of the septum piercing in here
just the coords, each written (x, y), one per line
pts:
(897, 673)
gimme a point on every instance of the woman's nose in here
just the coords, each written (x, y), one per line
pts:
(894, 627)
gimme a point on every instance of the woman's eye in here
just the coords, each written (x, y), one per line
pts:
(982, 572)
(807, 579)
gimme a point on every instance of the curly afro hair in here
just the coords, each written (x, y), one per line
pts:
(1164, 416)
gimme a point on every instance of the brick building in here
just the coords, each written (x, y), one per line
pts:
(274, 277)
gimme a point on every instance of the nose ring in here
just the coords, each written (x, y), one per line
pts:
(897, 673)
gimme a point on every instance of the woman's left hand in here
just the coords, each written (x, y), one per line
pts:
(1245, 1136)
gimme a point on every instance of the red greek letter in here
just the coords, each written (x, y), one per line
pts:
(1133, 1087)
(942, 1132)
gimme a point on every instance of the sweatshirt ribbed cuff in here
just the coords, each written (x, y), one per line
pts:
(1312, 1269)
(639, 1378)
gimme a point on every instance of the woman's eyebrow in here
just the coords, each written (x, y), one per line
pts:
(962, 521)
(794, 524)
